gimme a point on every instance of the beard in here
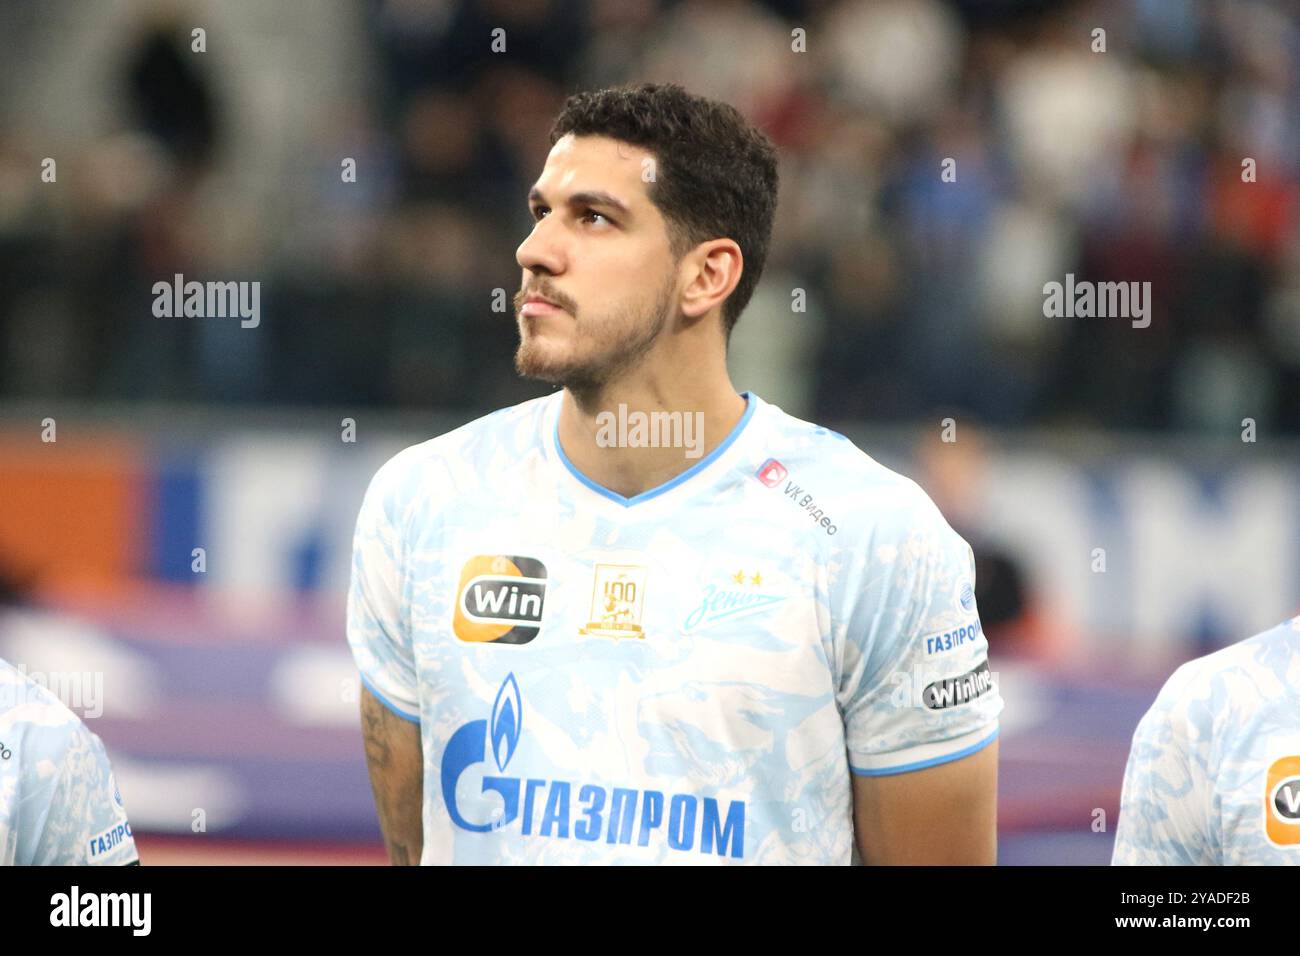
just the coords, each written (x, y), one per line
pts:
(602, 350)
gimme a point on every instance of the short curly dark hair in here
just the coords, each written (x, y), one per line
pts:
(716, 176)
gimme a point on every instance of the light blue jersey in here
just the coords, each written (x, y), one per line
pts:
(687, 676)
(59, 804)
(1214, 774)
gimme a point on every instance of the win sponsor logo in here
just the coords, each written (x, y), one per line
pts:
(955, 691)
(541, 808)
(501, 599)
(1282, 802)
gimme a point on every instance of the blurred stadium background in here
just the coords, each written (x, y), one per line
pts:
(231, 691)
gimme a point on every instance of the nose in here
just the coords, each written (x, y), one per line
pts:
(540, 251)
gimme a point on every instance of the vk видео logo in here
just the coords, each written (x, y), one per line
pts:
(568, 810)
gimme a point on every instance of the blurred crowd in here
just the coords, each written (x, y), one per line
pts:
(1106, 140)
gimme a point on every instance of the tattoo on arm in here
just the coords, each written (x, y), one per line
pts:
(396, 763)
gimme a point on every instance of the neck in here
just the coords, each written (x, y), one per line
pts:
(635, 434)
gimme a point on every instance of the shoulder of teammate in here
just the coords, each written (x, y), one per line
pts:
(1272, 660)
(73, 811)
(1198, 699)
(1167, 811)
(1166, 802)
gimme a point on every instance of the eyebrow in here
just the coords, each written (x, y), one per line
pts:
(588, 198)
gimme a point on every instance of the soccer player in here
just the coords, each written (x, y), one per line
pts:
(744, 641)
(59, 804)
(1214, 774)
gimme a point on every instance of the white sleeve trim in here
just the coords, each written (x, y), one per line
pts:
(924, 755)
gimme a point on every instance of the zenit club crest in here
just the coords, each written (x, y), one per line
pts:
(617, 601)
(737, 595)
(500, 599)
(1282, 802)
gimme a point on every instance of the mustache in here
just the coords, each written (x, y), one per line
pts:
(523, 294)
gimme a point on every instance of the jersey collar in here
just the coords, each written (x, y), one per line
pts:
(751, 402)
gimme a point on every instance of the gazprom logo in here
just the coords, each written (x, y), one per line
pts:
(967, 597)
(563, 809)
(507, 712)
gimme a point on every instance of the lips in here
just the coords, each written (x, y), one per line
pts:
(539, 307)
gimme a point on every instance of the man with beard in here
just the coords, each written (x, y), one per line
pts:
(579, 647)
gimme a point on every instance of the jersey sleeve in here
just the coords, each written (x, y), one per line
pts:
(377, 626)
(914, 684)
(1166, 805)
(84, 818)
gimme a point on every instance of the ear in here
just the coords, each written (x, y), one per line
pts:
(713, 270)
